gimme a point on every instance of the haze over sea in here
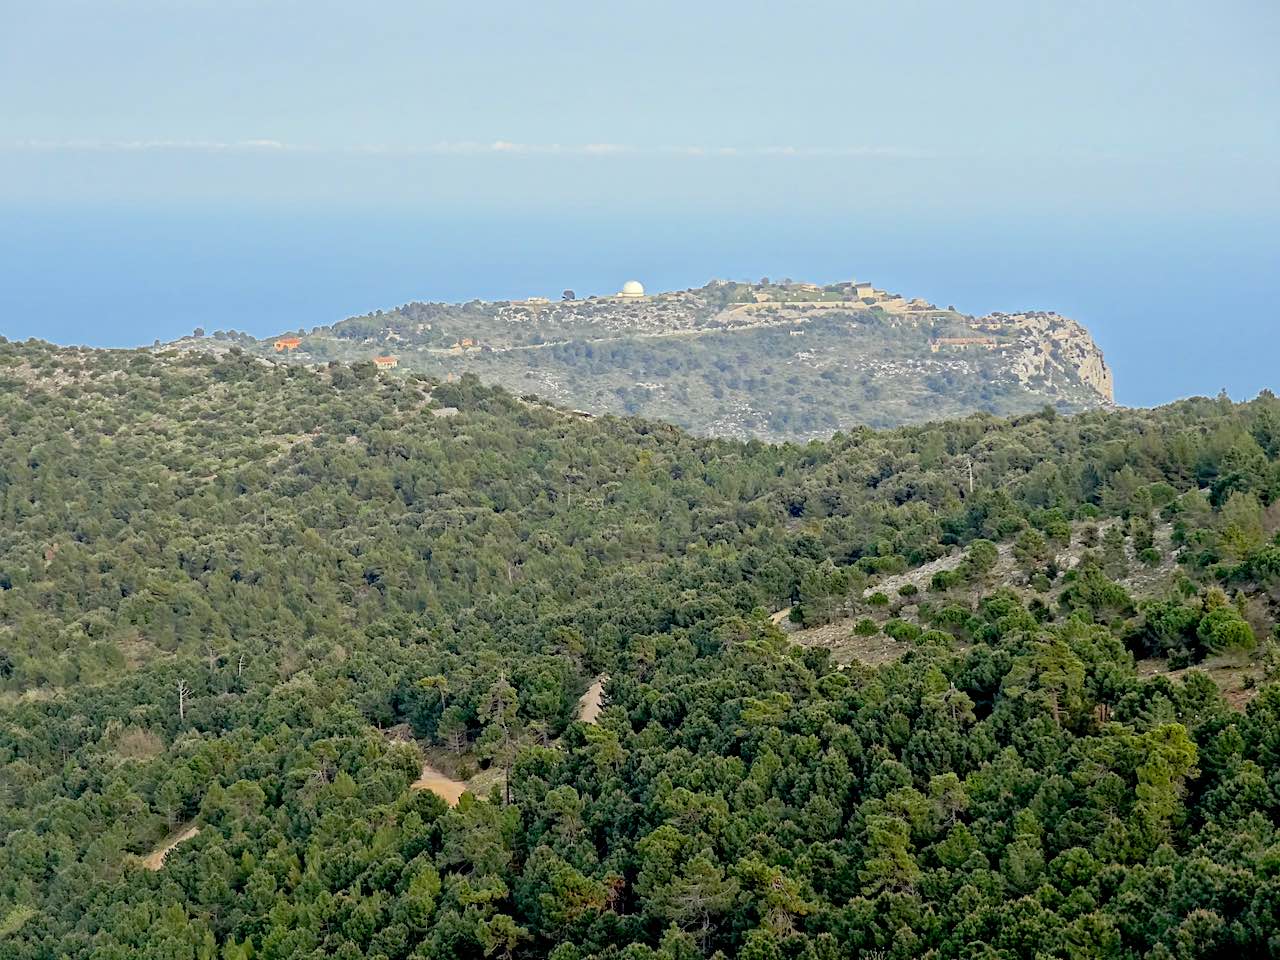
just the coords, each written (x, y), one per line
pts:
(276, 164)
(1156, 297)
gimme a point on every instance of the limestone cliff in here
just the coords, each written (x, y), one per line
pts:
(1048, 347)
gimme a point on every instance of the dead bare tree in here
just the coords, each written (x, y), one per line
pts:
(184, 693)
(211, 652)
(572, 478)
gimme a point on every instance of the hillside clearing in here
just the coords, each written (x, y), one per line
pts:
(589, 703)
(445, 787)
(155, 859)
(1234, 674)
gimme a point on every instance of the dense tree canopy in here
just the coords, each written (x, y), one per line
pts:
(247, 597)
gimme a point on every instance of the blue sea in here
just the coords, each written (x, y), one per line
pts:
(1181, 307)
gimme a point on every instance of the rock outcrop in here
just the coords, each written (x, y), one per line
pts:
(1050, 347)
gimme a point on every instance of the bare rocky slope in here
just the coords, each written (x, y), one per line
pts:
(775, 361)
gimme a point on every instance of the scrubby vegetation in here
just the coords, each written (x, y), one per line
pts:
(249, 597)
(800, 365)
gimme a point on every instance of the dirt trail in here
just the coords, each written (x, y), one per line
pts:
(1006, 565)
(155, 859)
(847, 647)
(589, 703)
(920, 576)
(450, 790)
(444, 787)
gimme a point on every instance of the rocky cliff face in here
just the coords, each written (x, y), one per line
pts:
(1048, 347)
(1091, 368)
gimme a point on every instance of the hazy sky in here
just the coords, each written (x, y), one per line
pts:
(839, 105)
(268, 165)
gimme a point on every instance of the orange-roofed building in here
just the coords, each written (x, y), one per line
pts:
(386, 363)
(287, 343)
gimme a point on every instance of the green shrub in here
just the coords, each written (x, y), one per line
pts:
(1222, 628)
(1162, 494)
(935, 638)
(892, 564)
(944, 580)
(901, 630)
(982, 556)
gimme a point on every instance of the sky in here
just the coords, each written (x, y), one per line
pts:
(269, 164)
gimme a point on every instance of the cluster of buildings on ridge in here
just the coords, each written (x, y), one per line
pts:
(289, 344)
(792, 294)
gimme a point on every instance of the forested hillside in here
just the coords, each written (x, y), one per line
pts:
(771, 361)
(242, 603)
